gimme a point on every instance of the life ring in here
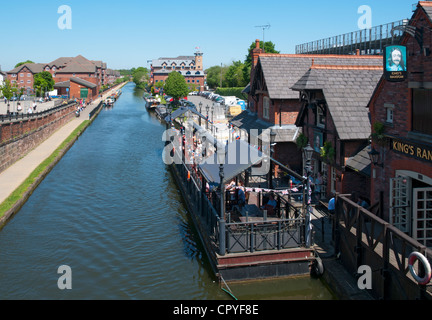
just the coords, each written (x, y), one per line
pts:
(317, 268)
(428, 272)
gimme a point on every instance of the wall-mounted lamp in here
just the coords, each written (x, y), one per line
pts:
(374, 157)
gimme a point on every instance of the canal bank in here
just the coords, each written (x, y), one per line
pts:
(18, 181)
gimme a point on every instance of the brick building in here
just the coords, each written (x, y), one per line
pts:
(23, 76)
(334, 118)
(190, 67)
(77, 88)
(62, 70)
(401, 115)
(273, 104)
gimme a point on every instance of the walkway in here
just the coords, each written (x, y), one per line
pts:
(15, 175)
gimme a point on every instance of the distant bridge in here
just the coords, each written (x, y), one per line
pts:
(368, 41)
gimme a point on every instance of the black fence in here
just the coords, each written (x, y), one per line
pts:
(14, 116)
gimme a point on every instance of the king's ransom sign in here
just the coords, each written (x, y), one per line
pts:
(412, 150)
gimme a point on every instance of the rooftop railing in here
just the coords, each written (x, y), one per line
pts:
(367, 41)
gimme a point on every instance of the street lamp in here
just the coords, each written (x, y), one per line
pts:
(222, 220)
(272, 144)
(307, 155)
(212, 110)
(200, 107)
(207, 109)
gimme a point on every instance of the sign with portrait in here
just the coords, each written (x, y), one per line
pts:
(318, 141)
(395, 63)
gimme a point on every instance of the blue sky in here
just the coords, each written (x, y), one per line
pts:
(127, 33)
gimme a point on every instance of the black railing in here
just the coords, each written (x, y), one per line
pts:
(367, 41)
(93, 112)
(14, 116)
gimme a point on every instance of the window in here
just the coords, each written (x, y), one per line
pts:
(266, 108)
(422, 111)
(28, 81)
(320, 117)
(21, 75)
(28, 75)
(389, 112)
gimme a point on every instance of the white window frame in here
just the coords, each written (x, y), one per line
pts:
(389, 112)
(319, 116)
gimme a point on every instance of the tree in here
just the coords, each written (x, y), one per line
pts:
(234, 76)
(176, 86)
(214, 75)
(43, 82)
(7, 89)
(21, 63)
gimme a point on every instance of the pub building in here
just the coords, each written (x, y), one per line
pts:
(336, 123)
(401, 116)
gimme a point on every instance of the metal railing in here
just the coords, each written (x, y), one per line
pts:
(362, 238)
(14, 116)
(368, 41)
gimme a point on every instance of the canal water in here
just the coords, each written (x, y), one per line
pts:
(111, 211)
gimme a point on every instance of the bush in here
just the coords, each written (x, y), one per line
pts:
(229, 92)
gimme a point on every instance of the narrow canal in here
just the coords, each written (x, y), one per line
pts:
(111, 211)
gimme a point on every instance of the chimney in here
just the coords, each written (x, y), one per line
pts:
(255, 53)
(358, 52)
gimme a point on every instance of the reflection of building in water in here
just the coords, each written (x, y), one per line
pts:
(402, 176)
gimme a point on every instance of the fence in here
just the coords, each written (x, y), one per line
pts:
(13, 116)
(365, 239)
(368, 41)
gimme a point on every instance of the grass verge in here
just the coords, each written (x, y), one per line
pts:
(35, 177)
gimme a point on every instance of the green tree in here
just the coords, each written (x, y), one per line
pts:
(43, 82)
(234, 76)
(176, 86)
(7, 89)
(214, 76)
(21, 63)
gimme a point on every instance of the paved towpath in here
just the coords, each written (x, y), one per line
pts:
(12, 177)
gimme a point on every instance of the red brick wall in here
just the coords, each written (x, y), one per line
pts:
(19, 137)
(400, 95)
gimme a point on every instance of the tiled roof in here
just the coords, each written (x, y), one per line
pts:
(347, 93)
(33, 67)
(360, 162)
(83, 82)
(282, 71)
(427, 7)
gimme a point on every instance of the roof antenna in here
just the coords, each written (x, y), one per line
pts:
(267, 26)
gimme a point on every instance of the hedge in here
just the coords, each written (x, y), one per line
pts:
(230, 92)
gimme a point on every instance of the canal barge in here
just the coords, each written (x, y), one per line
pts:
(243, 239)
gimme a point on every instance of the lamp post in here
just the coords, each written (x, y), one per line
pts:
(222, 221)
(200, 107)
(307, 154)
(272, 145)
(212, 112)
(207, 109)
